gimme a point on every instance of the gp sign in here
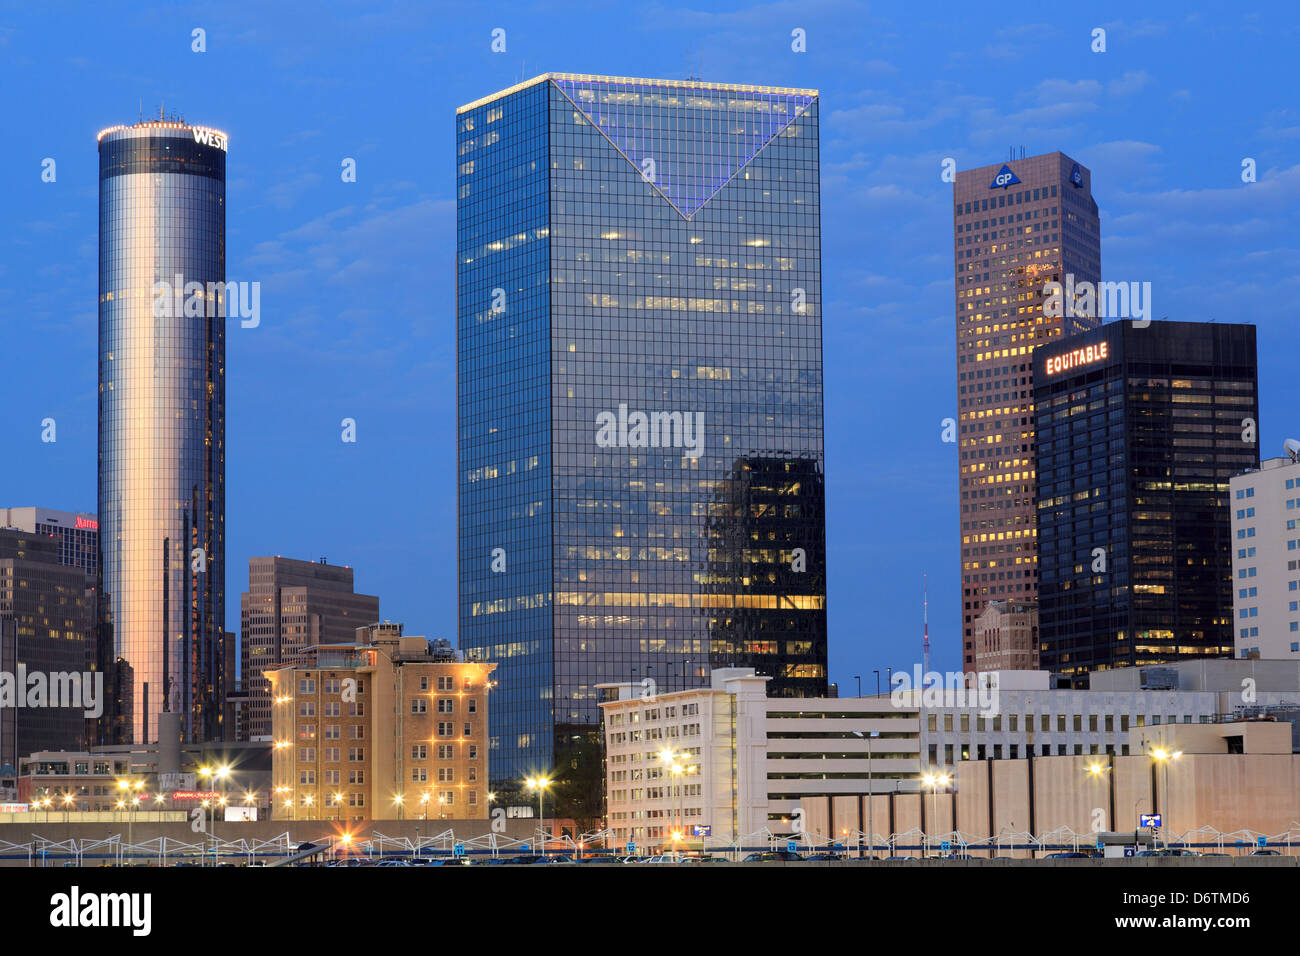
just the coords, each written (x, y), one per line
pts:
(1004, 178)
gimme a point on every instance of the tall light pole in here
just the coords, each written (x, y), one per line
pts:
(540, 783)
(673, 770)
(1163, 758)
(215, 775)
(934, 782)
(130, 800)
(868, 735)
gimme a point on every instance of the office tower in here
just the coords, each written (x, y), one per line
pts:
(387, 727)
(1140, 430)
(639, 356)
(1018, 226)
(162, 264)
(77, 534)
(290, 606)
(46, 620)
(1264, 512)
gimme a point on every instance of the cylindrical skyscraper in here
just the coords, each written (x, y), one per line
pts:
(162, 268)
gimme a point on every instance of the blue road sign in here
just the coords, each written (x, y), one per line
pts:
(792, 846)
(524, 848)
(1149, 820)
(946, 845)
(458, 850)
(631, 847)
(1261, 841)
(1130, 851)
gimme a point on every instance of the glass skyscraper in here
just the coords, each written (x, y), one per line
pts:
(640, 451)
(162, 266)
(1140, 430)
(1017, 226)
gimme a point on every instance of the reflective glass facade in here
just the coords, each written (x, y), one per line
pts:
(1139, 431)
(640, 397)
(162, 214)
(1017, 226)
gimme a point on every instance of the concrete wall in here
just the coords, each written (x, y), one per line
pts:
(1226, 792)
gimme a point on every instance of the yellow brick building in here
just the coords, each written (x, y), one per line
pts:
(390, 727)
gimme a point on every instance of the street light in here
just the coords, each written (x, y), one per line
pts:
(215, 774)
(539, 784)
(871, 808)
(676, 770)
(934, 782)
(1164, 757)
(130, 791)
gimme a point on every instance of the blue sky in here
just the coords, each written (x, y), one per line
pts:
(357, 279)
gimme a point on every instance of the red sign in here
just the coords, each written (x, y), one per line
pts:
(195, 795)
(88, 523)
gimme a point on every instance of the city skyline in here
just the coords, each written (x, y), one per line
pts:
(294, 221)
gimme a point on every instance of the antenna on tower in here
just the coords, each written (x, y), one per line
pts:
(925, 627)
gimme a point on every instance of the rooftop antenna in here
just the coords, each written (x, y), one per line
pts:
(142, 109)
(925, 627)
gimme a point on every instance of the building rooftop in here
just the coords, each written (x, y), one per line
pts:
(643, 81)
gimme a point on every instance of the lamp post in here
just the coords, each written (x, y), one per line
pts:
(1163, 757)
(130, 800)
(673, 770)
(539, 783)
(215, 775)
(871, 809)
(1096, 772)
(934, 782)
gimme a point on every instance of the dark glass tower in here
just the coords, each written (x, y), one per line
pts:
(162, 220)
(1017, 226)
(1139, 431)
(640, 397)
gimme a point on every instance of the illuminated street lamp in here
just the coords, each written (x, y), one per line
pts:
(1163, 758)
(539, 784)
(934, 782)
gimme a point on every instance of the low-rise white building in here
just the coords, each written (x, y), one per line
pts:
(730, 763)
(1264, 508)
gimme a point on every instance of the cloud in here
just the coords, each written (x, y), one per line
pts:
(1132, 82)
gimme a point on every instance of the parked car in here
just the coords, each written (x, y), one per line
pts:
(1068, 855)
(1263, 852)
(773, 856)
